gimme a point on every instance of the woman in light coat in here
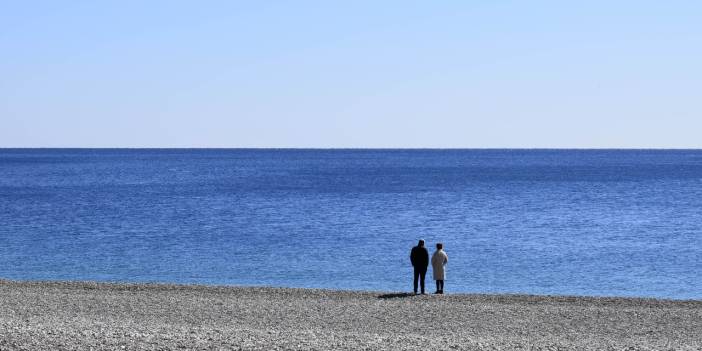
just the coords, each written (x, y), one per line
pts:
(438, 261)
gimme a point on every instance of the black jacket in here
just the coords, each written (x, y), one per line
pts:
(419, 257)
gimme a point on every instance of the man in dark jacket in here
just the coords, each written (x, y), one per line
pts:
(420, 261)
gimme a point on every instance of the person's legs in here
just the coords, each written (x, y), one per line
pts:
(422, 275)
(440, 285)
(416, 277)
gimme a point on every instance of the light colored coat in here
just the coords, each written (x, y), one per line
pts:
(438, 261)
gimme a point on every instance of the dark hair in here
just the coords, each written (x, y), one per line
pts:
(421, 242)
(439, 246)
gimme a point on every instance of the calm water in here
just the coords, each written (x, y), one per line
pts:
(625, 223)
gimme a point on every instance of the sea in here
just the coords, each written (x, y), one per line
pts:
(554, 222)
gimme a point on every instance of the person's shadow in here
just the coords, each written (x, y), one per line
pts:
(395, 296)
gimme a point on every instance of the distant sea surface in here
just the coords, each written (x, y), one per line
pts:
(575, 222)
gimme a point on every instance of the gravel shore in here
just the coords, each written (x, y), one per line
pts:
(86, 315)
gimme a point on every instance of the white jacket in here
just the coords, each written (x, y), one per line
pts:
(438, 261)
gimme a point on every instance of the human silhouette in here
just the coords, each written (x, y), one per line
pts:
(420, 261)
(438, 261)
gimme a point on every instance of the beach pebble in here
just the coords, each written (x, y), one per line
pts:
(101, 316)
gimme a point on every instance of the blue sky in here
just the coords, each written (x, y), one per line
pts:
(445, 74)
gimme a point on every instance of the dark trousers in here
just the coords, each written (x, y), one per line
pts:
(440, 286)
(419, 275)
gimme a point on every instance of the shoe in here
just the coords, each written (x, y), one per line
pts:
(437, 292)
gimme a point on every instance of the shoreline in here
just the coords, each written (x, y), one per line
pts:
(130, 285)
(144, 316)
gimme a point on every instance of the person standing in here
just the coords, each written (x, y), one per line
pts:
(438, 262)
(420, 261)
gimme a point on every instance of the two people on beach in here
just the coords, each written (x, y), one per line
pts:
(419, 256)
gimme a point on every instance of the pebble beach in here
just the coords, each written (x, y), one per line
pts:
(115, 316)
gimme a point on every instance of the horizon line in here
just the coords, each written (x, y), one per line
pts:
(347, 148)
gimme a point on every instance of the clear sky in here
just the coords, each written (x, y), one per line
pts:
(455, 74)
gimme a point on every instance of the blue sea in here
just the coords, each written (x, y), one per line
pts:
(566, 222)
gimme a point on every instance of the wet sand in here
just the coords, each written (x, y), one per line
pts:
(101, 316)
